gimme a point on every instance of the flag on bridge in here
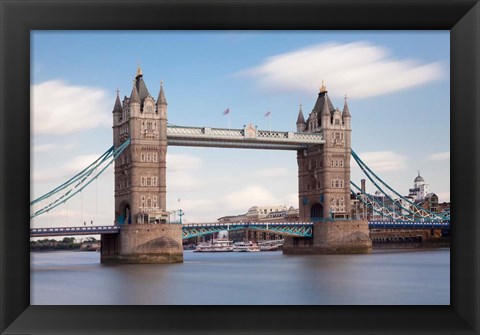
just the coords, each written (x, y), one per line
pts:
(267, 114)
(227, 111)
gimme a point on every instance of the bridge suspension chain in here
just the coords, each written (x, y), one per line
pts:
(78, 182)
(377, 206)
(404, 204)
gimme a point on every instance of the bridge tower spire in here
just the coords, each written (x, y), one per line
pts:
(324, 183)
(140, 182)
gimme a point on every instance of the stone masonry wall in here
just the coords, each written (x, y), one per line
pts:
(342, 237)
(148, 243)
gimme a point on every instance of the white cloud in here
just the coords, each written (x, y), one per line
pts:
(247, 197)
(59, 108)
(182, 162)
(181, 172)
(383, 161)
(49, 148)
(359, 69)
(274, 172)
(441, 156)
(74, 166)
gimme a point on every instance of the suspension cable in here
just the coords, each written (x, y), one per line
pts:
(82, 184)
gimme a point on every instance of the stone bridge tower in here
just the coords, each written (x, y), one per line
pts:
(324, 170)
(140, 181)
(324, 183)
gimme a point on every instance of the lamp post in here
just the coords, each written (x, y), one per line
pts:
(180, 214)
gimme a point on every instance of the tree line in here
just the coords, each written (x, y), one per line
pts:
(67, 243)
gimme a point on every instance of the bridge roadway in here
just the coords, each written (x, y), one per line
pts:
(248, 138)
(303, 229)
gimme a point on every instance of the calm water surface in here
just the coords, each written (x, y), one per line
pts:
(385, 277)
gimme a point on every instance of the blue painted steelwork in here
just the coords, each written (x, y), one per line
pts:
(299, 229)
(67, 231)
(303, 229)
(409, 224)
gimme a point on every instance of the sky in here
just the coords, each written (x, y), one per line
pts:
(397, 84)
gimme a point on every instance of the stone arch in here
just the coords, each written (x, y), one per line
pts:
(124, 213)
(316, 212)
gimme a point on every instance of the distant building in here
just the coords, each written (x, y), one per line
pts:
(444, 207)
(260, 214)
(232, 218)
(430, 203)
(420, 189)
(256, 213)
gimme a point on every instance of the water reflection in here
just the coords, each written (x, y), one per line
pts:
(382, 278)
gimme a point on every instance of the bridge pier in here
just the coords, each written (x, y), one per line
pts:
(143, 243)
(332, 237)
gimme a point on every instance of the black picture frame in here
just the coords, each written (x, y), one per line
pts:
(18, 17)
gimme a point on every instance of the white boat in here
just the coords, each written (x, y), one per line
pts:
(240, 247)
(272, 245)
(245, 246)
(219, 245)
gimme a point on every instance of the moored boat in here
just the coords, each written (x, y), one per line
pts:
(240, 247)
(219, 245)
(272, 245)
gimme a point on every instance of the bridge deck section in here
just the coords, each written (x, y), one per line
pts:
(70, 231)
(299, 229)
(248, 138)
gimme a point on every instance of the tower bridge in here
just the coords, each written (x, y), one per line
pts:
(142, 232)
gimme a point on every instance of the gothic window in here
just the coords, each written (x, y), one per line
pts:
(154, 202)
(143, 202)
(149, 181)
(142, 157)
(149, 202)
(142, 181)
(149, 125)
(154, 181)
(337, 122)
(148, 158)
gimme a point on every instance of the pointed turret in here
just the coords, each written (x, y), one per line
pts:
(139, 72)
(117, 108)
(161, 101)
(323, 100)
(346, 111)
(141, 87)
(300, 121)
(326, 108)
(134, 96)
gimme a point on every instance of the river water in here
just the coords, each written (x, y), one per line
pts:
(385, 277)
